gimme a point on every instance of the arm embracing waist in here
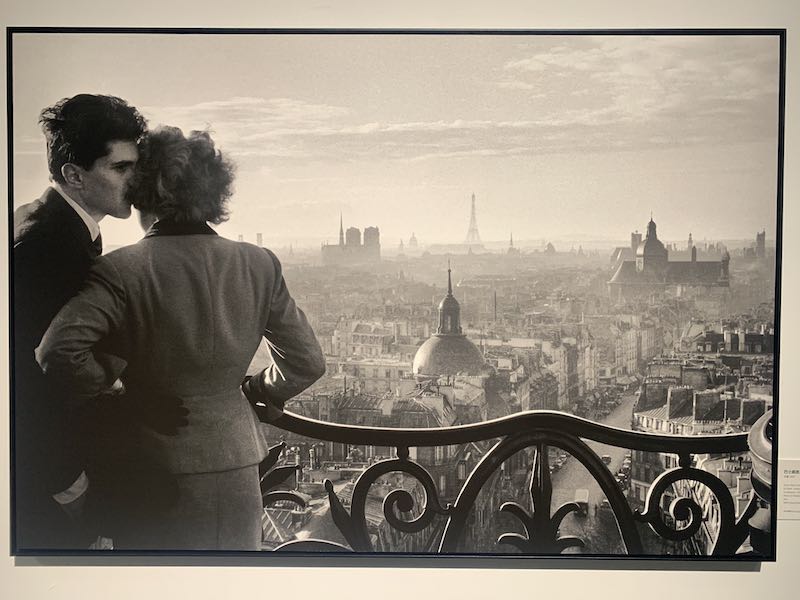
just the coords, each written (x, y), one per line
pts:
(68, 350)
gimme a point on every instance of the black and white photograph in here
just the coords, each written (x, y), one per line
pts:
(395, 292)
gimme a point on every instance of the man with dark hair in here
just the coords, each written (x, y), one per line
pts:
(91, 151)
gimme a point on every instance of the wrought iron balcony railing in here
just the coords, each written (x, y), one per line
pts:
(538, 430)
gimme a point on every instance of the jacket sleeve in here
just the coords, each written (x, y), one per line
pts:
(44, 279)
(297, 358)
(68, 353)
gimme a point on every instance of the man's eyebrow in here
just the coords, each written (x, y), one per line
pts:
(119, 163)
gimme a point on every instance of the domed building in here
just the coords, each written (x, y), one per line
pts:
(449, 352)
(653, 273)
(651, 253)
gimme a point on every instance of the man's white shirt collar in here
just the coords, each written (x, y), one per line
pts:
(91, 224)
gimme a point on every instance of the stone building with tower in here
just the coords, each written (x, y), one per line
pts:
(757, 250)
(351, 250)
(650, 273)
(761, 244)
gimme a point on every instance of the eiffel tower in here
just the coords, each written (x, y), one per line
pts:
(473, 237)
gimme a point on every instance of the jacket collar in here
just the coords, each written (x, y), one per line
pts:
(92, 225)
(172, 227)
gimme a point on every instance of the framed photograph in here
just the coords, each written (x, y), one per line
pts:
(405, 292)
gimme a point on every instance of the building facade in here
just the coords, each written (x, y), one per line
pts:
(351, 250)
(651, 274)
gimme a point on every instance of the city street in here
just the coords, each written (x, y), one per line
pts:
(598, 528)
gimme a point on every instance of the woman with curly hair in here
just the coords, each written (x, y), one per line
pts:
(186, 310)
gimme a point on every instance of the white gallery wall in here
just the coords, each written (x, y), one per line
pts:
(201, 578)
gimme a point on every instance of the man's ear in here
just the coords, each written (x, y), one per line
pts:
(72, 174)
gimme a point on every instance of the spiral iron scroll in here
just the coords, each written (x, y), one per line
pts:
(353, 525)
(732, 533)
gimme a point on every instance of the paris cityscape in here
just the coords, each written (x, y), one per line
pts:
(654, 336)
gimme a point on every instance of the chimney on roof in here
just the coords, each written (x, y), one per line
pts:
(636, 240)
(387, 403)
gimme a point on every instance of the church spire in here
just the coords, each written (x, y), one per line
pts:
(449, 311)
(341, 230)
(651, 228)
(449, 281)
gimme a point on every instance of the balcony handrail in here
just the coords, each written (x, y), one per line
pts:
(537, 429)
(405, 437)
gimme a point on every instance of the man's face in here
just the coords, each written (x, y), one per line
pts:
(106, 183)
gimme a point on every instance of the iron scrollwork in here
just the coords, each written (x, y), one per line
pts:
(538, 430)
(353, 525)
(272, 476)
(541, 530)
(732, 533)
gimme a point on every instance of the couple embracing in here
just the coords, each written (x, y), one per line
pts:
(131, 418)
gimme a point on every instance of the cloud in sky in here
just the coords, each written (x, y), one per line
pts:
(585, 121)
(718, 88)
(588, 94)
(543, 94)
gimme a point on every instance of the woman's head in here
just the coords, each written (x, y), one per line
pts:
(183, 178)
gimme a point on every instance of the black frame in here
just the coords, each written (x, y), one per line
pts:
(780, 33)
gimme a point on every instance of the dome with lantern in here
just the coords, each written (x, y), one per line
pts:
(448, 351)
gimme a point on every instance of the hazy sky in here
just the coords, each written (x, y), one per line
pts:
(558, 136)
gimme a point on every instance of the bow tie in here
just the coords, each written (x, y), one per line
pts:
(97, 245)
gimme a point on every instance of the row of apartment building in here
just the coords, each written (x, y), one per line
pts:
(692, 395)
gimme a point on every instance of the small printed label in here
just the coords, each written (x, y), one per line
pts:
(789, 489)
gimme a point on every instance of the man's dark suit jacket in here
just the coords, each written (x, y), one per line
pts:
(53, 251)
